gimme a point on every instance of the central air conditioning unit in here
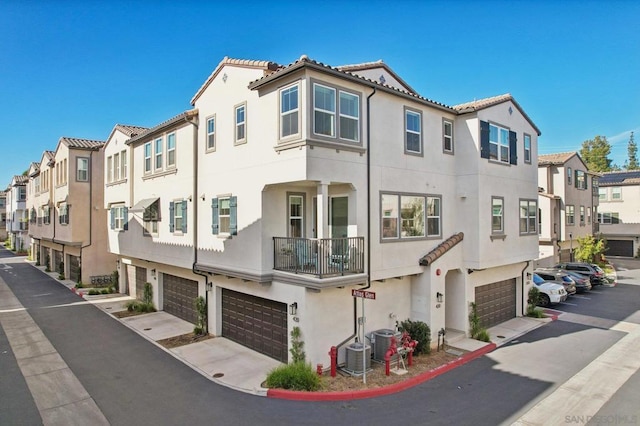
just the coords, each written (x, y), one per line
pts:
(381, 340)
(355, 362)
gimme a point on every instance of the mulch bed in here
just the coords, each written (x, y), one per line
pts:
(184, 339)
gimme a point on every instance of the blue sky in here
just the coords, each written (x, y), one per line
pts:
(76, 68)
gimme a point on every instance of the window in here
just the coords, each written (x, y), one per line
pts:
(296, 216)
(289, 111)
(36, 188)
(147, 157)
(602, 194)
(447, 136)
(412, 216)
(109, 169)
(119, 218)
(178, 216)
(497, 215)
(241, 122)
(22, 193)
(349, 117)
(498, 143)
(46, 214)
(413, 132)
(571, 215)
(409, 216)
(582, 214)
(527, 148)
(609, 218)
(211, 133)
(116, 167)
(82, 169)
(595, 186)
(123, 164)
(569, 175)
(324, 110)
(150, 218)
(389, 216)
(171, 150)
(433, 216)
(589, 215)
(64, 214)
(224, 214)
(528, 219)
(616, 193)
(3, 202)
(581, 181)
(158, 154)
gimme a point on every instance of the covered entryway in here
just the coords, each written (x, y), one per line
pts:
(57, 260)
(179, 297)
(74, 268)
(619, 248)
(496, 302)
(141, 279)
(259, 324)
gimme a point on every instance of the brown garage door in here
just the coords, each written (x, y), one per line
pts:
(496, 302)
(141, 279)
(619, 248)
(179, 296)
(257, 323)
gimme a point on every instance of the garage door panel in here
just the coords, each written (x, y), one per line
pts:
(619, 248)
(496, 302)
(179, 295)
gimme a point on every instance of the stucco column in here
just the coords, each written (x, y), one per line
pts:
(323, 210)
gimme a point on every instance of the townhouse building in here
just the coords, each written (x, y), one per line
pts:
(286, 187)
(568, 202)
(66, 194)
(17, 222)
(3, 216)
(619, 212)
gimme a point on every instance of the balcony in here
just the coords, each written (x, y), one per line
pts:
(319, 257)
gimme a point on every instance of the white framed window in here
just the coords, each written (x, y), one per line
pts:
(349, 117)
(571, 215)
(589, 215)
(608, 218)
(528, 218)
(324, 110)
(289, 111)
(150, 218)
(616, 193)
(82, 169)
(569, 175)
(171, 149)
(147, 157)
(46, 215)
(447, 136)
(64, 214)
(123, 164)
(527, 148)
(22, 193)
(497, 215)
(109, 169)
(211, 133)
(116, 166)
(602, 194)
(119, 220)
(434, 215)
(409, 216)
(224, 215)
(296, 215)
(412, 216)
(498, 143)
(241, 124)
(158, 153)
(413, 131)
(582, 215)
(581, 180)
(178, 218)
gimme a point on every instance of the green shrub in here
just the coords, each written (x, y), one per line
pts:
(132, 305)
(532, 302)
(106, 291)
(201, 321)
(419, 331)
(483, 335)
(79, 285)
(298, 376)
(138, 306)
(297, 346)
(477, 331)
(93, 292)
(147, 296)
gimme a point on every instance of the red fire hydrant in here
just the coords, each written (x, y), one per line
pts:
(333, 353)
(319, 369)
(393, 349)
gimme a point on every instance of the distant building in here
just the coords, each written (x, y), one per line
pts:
(619, 212)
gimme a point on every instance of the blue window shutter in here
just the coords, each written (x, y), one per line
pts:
(233, 215)
(125, 221)
(215, 224)
(171, 216)
(184, 216)
(484, 139)
(113, 218)
(513, 148)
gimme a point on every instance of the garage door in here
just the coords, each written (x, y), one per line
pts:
(619, 248)
(259, 324)
(496, 302)
(179, 297)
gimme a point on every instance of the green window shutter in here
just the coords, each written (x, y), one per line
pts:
(184, 216)
(215, 225)
(125, 220)
(513, 148)
(171, 216)
(233, 215)
(484, 139)
(113, 217)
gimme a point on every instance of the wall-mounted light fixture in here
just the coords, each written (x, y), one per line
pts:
(439, 297)
(117, 263)
(293, 308)
(153, 273)
(528, 275)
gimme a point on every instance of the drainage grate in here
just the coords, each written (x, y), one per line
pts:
(147, 329)
(218, 375)
(500, 337)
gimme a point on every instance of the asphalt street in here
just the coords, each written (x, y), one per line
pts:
(133, 382)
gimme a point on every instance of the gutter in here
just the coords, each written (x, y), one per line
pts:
(522, 285)
(90, 213)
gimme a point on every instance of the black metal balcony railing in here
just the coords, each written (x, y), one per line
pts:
(322, 257)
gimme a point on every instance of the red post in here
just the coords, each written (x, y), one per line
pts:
(333, 353)
(412, 347)
(319, 369)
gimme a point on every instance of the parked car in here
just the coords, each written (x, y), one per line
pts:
(582, 282)
(559, 277)
(550, 293)
(596, 276)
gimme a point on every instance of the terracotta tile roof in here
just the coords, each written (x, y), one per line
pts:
(479, 104)
(557, 159)
(81, 143)
(354, 68)
(247, 63)
(19, 180)
(49, 155)
(182, 117)
(305, 62)
(441, 249)
(130, 131)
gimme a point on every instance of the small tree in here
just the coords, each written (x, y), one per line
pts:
(201, 322)
(532, 303)
(589, 248)
(477, 331)
(297, 345)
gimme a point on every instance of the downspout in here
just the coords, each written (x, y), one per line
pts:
(355, 306)
(90, 213)
(522, 284)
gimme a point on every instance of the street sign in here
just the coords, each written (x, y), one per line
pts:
(364, 294)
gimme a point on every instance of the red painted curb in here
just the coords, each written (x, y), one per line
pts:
(386, 390)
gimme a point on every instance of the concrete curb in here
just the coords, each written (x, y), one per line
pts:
(386, 390)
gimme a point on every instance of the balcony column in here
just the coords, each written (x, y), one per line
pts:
(323, 210)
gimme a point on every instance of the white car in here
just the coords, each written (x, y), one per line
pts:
(550, 293)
